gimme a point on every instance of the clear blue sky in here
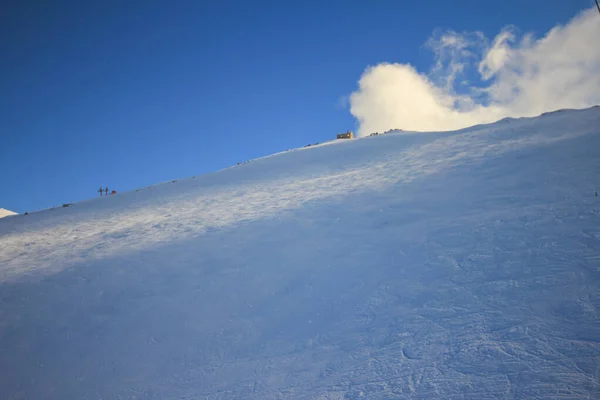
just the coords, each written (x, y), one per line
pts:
(130, 93)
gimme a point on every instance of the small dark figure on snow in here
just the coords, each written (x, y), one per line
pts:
(106, 191)
(100, 190)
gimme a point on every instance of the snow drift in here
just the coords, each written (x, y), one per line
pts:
(447, 265)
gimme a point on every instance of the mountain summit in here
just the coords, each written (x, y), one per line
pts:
(5, 213)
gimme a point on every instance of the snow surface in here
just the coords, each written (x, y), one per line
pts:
(455, 265)
(5, 213)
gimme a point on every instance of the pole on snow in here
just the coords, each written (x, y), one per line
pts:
(598, 5)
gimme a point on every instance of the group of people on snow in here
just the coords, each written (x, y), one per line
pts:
(105, 190)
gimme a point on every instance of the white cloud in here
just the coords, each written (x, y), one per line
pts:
(515, 77)
(453, 54)
(498, 55)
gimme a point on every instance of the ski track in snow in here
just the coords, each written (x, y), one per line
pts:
(460, 265)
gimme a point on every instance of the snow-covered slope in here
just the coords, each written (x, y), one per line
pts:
(5, 213)
(456, 265)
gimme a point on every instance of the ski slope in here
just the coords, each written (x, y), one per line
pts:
(452, 265)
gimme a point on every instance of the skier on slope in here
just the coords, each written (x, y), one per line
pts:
(100, 190)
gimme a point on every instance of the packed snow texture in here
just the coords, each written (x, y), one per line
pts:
(454, 265)
(5, 213)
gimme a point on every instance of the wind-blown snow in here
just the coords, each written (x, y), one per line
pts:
(442, 265)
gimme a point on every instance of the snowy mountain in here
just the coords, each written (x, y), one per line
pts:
(5, 213)
(452, 265)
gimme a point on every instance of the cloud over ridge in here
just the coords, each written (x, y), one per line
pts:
(475, 80)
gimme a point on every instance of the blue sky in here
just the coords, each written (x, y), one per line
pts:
(127, 94)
